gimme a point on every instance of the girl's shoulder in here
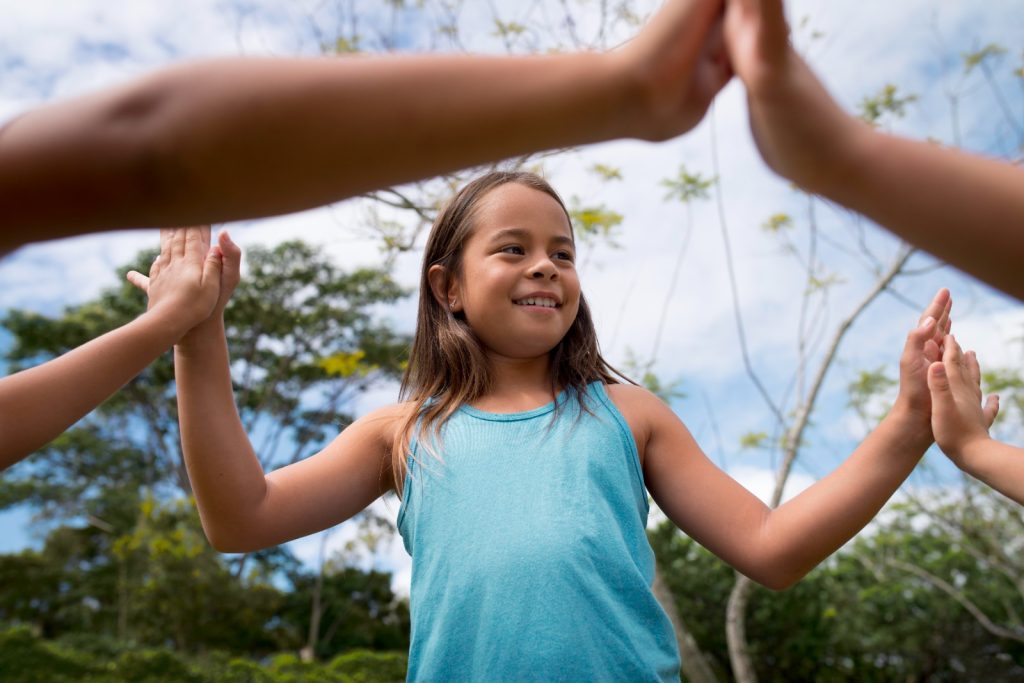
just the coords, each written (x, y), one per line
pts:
(385, 423)
(637, 406)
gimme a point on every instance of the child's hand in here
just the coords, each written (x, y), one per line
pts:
(184, 283)
(799, 129)
(679, 60)
(923, 347)
(959, 422)
(230, 274)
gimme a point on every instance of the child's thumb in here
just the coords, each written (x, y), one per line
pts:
(213, 265)
(938, 381)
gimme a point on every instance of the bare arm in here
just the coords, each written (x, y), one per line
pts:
(778, 547)
(242, 508)
(36, 405)
(242, 138)
(965, 209)
(961, 424)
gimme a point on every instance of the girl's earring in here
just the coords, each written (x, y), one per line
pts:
(451, 305)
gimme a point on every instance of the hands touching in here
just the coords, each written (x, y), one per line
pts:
(923, 347)
(801, 132)
(190, 282)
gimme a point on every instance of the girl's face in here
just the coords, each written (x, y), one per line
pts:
(518, 288)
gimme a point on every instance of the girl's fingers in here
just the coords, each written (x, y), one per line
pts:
(193, 243)
(139, 280)
(973, 369)
(166, 234)
(991, 409)
(937, 307)
(178, 237)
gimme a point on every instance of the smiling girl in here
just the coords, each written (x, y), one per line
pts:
(523, 464)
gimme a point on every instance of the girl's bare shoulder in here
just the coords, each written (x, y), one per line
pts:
(637, 405)
(385, 423)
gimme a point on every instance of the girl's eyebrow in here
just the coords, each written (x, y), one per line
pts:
(520, 234)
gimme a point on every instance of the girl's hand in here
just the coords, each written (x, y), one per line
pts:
(959, 422)
(184, 282)
(212, 327)
(678, 64)
(799, 129)
(923, 347)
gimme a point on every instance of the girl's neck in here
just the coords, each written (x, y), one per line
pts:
(517, 384)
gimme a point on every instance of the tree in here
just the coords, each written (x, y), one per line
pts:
(304, 342)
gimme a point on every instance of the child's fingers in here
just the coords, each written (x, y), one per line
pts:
(232, 256)
(178, 237)
(973, 369)
(991, 409)
(139, 280)
(938, 385)
(166, 234)
(194, 247)
(918, 338)
(953, 358)
(937, 307)
(212, 267)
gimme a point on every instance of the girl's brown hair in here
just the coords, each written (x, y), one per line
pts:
(447, 366)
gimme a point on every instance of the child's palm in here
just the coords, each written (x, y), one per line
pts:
(184, 282)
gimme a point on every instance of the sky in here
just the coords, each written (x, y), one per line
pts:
(52, 50)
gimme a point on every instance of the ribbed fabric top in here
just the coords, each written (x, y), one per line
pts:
(529, 556)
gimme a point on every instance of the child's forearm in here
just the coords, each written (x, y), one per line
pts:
(998, 464)
(226, 476)
(816, 523)
(37, 404)
(241, 138)
(965, 209)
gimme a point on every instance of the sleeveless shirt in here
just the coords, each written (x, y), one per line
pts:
(530, 560)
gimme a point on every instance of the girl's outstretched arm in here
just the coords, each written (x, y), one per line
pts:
(960, 423)
(778, 547)
(965, 209)
(37, 404)
(241, 508)
(242, 138)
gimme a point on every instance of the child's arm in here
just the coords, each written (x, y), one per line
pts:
(241, 138)
(965, 209)
(777, 547)
(241, 508)
(37, 404)
(961, 424)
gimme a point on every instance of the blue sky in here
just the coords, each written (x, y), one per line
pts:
(56, 49)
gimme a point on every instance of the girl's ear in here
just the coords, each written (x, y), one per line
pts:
(445, 288)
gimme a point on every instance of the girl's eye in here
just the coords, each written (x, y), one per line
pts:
(565, 255)
(513, 249)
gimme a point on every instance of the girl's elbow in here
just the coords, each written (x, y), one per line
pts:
(229, 539)
(778, 578)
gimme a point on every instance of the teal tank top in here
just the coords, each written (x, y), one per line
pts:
(530, 560)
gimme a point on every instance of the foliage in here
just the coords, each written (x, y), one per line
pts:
(856, 617)
(25, 658)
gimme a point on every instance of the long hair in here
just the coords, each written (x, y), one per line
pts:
(448, 367)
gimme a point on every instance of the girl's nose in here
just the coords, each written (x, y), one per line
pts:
(543, 270)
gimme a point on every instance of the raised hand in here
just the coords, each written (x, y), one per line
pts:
(184, 282)
(959, 421)
(799, 129)
(680, 63)
(923, 347)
